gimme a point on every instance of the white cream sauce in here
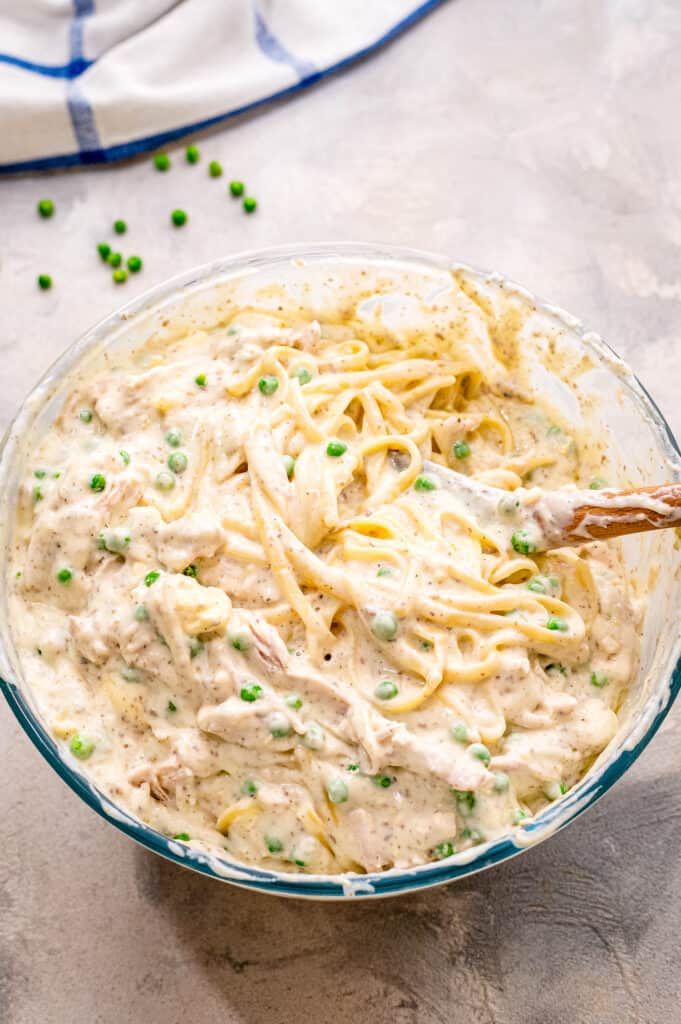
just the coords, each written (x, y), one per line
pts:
(299, 654)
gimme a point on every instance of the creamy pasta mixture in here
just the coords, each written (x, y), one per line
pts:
(260, 626)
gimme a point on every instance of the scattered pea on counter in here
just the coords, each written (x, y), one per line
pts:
(178, 218)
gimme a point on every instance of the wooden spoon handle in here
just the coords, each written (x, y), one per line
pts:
(597, 515)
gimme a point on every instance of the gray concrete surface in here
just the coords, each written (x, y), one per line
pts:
(539, 137)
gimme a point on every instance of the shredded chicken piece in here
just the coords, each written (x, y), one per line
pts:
(161, 778)
(269, 646)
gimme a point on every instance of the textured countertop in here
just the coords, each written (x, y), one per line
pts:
(537, 137)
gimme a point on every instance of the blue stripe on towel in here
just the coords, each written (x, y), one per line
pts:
(80, 111)
(275, 49)
(70, 70)
(82, 8)
(82, 119)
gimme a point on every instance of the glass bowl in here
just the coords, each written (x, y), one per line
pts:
(590, 385)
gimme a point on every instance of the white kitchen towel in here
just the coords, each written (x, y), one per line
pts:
(92, 81)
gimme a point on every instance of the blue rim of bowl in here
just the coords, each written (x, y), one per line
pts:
(377, 884)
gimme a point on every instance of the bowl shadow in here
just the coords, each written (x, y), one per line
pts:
(559, 935)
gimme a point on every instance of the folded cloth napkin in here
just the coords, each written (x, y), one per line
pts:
(92, 81)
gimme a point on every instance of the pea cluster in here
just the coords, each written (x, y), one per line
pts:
(122, 266)
(162, 162)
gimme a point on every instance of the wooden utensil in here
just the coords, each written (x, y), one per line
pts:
(531, 520)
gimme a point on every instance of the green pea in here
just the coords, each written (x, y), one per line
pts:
(279, 725)
(273, 844)
(304, 376)
(191, 571)
(543, 584)
(249, 787)
(386, 690)
(385, 625)
(289, 465)
(38, 493)
(44, 282)
(292, 700)
(424, 483)
(141, 613)
(461, 450)
(508, 506)
(85, 415)
(480, 752)
(443, 850)
(240, 641)
(599, 679)
(555, 623)
(352, 767)
(384, 781)
(460, 732)
(523, 542)
(250, 204)
(554, 790)
(179, 218)
(81, 746)
(215, 169)
(192, 154)
(177, 461)
(200, 380)
(251, 693)
(115, 540)
(104, 250)
(161, 161)
(97, 482)
(165, 481)
(120, 227)
(120, 276)
(174, 437)
(65, 575)
(151, 577)
(501, 782)
(597, 484)
(114, 259)
(134, 264)
(184, 837)
(337, 791)
(171, 706)
(268, 384)
(335, 449)
(45, 208)
(236, 188)
(314, 737)
(466, 801)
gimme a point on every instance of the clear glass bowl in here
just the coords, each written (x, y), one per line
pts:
(640, 449)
